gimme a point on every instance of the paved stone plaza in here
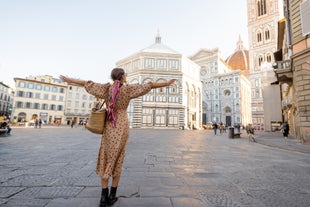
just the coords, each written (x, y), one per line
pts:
(55, 167)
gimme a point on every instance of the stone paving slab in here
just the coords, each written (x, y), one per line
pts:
(27, 202)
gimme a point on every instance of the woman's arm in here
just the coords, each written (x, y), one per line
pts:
(163, 84)
(71, 80)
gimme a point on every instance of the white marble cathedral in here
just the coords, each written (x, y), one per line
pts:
(176, 106)
(226, 87)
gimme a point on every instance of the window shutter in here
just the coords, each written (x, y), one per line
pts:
(305, 17)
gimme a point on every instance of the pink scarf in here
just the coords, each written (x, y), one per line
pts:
(112, 108)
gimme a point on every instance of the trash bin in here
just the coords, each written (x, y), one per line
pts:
(231, 132)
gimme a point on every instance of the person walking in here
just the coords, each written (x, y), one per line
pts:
(214, 126)
(285, 129)
(40, 123)
(221, 128)
(114, 140)
(250, 131)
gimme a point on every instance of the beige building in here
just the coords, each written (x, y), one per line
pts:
(263, 17)
(292, 66)
(39, 97)
(226, 88)
(6, 100)
(78, 104)
(176, 106)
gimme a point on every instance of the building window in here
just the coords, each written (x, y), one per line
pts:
(20, 93)
(53, 107)
(61, 90)
(44, 106)
(47, 88)
(259, 37)
(37, 96)
(28, 105)
(38, 87)
(29, 95)
(19, 104)
(54, 97)
(267, 34)
(61, 98)
(21, 84)
(268, 58)
(36, 106)
(30, 85)
(260, 60)
(55, 89)
(261, 7)
(59, 107)
(227, 110)
(227, 92)
(45, 96)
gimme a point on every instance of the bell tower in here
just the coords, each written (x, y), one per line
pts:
(263, 17)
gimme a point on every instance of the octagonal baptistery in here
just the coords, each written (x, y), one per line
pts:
(239, 60)
(176, 106)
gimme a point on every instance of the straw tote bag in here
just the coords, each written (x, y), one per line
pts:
(96, 120)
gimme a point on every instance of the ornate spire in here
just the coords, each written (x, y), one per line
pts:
(239, 44)
(158, 38)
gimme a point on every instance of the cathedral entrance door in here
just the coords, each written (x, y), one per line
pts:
(228, 120)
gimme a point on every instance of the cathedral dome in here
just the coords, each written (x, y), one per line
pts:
(239, 60)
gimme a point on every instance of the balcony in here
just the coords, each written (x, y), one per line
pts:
(283, 70)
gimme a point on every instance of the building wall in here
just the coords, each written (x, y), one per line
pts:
(39, 97)
(78, 104)
(6, 100)
(295, 78)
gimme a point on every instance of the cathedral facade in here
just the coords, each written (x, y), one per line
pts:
(176, 106)
(226, 88)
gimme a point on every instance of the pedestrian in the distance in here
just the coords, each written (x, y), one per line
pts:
(214, 126)
(40, 123)
(113, 143)
(250, 131)
(285, 129)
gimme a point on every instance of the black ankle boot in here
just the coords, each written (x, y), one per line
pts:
(112, 196)
(104, 197)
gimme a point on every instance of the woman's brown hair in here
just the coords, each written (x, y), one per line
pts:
(117, 73)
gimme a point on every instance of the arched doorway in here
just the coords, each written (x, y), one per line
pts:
(21, 117)
(227, 111)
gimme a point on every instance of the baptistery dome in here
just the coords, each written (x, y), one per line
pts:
(239, 60)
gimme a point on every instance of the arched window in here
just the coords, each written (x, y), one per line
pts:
(260, 60)
(259, 37)
(267, 34)
(268, 57)
(227, 109)
(227, 92)
(261, 7)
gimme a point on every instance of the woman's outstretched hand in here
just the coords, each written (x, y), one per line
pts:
(64, 78)
(71, 80)
(171, 81)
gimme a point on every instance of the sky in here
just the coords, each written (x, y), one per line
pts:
(85, 38)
